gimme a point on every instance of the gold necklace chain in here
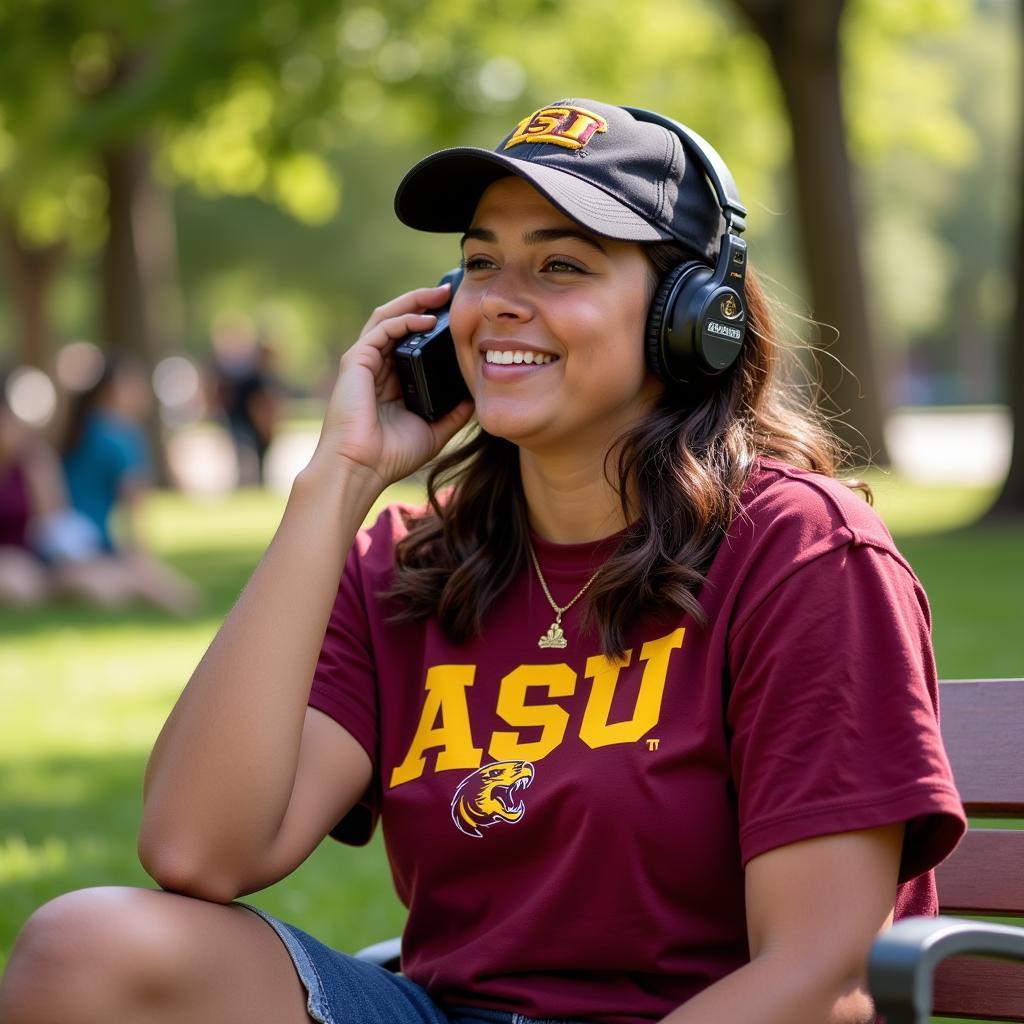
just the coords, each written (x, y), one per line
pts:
(555, 636)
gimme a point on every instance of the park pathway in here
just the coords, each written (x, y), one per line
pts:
(967, 445)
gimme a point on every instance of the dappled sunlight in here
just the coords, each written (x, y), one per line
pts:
(20, 861)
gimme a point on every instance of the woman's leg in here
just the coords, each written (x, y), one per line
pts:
(148, 957)
(100, 582)
(156, 582)
(22, 578)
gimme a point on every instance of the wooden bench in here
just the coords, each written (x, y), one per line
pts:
(983, 729)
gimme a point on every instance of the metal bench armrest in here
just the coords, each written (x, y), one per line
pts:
(902, 963)
(386, 954)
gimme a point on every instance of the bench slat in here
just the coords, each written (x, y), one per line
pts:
(980, 988)
(984, 875)
(982, 730)
(985, 716)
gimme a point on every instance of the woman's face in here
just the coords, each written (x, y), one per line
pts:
(129, 393)
(13, 433)
(568, 308)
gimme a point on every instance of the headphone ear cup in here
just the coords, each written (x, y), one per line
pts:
(677, 365)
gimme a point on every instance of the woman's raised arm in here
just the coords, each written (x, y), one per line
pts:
(243, 781)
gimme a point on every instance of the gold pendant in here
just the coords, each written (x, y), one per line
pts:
(554, 637)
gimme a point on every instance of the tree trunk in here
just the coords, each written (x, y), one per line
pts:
(803, 39)
(138, 261)
(140, 308)
(1010, 503)
(138, 273)
(31, 273)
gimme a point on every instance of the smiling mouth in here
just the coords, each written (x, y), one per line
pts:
(516, 356)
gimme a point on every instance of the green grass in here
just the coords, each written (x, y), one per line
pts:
(84, 692)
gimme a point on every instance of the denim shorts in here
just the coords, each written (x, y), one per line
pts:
(344, 990)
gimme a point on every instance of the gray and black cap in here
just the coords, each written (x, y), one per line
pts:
(617, 176)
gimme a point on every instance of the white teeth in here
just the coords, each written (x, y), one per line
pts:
(517, 356)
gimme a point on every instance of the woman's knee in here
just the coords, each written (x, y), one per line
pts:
(92, 953)
(22, 579)
(101, 955)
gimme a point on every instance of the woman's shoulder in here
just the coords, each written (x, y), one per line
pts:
(812, 505)
(793, 521)
(789, 517)
(375, 543)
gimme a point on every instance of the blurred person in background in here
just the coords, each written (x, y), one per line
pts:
(249, 393)
(107, 469)
(31, 495)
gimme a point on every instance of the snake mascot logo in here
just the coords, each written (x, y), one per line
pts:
(488, 796)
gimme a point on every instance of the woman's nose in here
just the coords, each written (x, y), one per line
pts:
(505, 297)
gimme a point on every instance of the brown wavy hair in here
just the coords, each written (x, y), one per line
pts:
(679, 473)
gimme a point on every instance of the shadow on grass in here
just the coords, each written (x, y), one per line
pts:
(71, 822)
(65, 823)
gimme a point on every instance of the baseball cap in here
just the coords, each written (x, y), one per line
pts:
(617, 176)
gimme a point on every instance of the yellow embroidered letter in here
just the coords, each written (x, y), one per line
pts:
(445, 704)
(571, 127)
(559, 681)
(596, 730)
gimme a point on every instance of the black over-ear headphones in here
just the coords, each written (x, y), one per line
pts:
(698, 316)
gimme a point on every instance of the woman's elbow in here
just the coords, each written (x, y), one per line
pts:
(843, 988)
(178, 870)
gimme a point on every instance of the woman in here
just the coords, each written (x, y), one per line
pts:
(31, 498)
(107, 469)
(645, 699)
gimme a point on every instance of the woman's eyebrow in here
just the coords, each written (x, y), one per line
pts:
(556, 234)
(480, 234)
(537, 237)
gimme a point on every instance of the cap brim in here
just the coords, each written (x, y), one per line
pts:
(442, 191)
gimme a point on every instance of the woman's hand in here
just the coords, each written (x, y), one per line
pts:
(367, 425)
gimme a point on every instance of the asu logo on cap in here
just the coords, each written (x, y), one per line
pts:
(571, 127)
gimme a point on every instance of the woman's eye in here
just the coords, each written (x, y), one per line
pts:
(563, 267)
(477, 263)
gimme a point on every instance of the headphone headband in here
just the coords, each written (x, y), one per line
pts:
(697, 320)
(718, 174)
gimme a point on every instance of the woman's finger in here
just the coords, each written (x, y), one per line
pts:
(397, 327)
(416, 301)
(380, 340)
(388, 387)
(449, 424)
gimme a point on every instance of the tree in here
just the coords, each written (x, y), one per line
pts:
(89, 89)
(802, 37)
(246, 94)
(1010, 503)
(31, 271)
(271, 98)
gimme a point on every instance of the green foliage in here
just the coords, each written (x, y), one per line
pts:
(250, 97)
(314, 109)
(901, 96)
(938, 223)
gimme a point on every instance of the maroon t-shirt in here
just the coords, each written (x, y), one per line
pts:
(570, 834)
(15, 510)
